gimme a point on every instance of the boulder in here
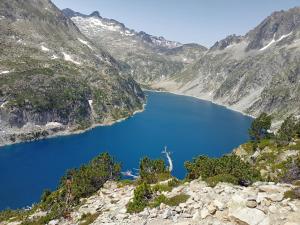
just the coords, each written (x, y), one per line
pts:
(204, 213)
(251, 203)
(248, 216)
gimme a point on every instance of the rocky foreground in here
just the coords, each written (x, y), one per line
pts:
(260, 204)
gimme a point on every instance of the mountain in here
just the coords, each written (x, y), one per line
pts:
(148, 58)
(254, 73)
(53, 78)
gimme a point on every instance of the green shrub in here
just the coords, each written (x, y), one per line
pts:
(174, 183)
(206, 167)
(227, 178)
(287, 131)
(260, 126)
(152, 171)
(141, 198)
(173, 201)
(161, 188)
(293, 194)
(88, 218)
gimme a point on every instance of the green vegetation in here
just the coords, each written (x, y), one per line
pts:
(142, 196)
(213, 181)
(260, 126)
(173, 201)
(76, 184)
(276, 158)
(287, 131)
(153, 171)
(293, 194)
(88, 218)
(229, 168)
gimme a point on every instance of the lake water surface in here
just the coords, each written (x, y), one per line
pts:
(188, 126)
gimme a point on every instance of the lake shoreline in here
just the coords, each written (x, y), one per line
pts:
(68, 131)
(203, 99)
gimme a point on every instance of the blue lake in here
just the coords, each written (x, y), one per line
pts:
(188, 126)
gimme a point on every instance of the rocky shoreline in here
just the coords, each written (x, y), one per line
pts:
(260, 204)
(32, 132)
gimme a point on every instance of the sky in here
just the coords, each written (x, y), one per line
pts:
(187, 21)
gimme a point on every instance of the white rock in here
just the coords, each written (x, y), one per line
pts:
(166, 214)
(204, 213)
(196, 216)
(53, 222)
(248, 216)
(276, 197)
(220, 205)
(273, 209)
(293, 207)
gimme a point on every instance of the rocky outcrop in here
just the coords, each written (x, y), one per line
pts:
(259, 204)
(254, 73)
(148, 58)
(51, 73)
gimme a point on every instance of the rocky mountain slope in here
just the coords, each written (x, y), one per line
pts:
(255, 73)
(148, 58)
(52, 78)
(259, 204)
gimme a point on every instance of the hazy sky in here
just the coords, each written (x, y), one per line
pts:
(200, 21)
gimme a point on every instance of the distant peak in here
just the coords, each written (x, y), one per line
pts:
(95, 14)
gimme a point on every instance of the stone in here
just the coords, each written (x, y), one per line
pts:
(276, 197)
(271, 189)
(53, 222)
(247, 215)
(293, 207)
(251, 203)
(211, 209)
(162, 206)
(178, 209)
(273, 209)
(220, 205)
(182, 205)
(204, 213)
(196, 216)
(166, 214)
(197, 205)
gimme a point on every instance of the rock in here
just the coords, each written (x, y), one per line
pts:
(53, 222)
(247, 216)
(273, 209)
(197, 205)
(276, 197)
(162, 206)
(166, 214)
(204, 213)
(211, 209)
(251, 203)
(196, 216)
(122, 216)
(293, 207)
(219, 205)
(178, 209)
(182, 205)
(271, 189)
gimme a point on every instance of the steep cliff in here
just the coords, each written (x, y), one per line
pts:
(53, 78)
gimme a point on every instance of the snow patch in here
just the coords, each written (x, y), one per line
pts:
(67, 57)
(54, 57)
(85, 43)
(4, 72)
(53, 124)
(274, 41)
(45, 49)
(3, 104)
(91, 103)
